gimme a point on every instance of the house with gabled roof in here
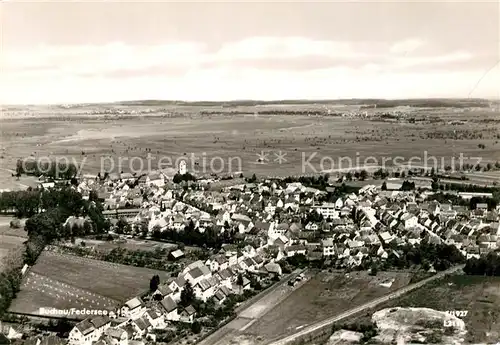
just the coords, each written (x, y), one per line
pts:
(295, 250)
(169, 308)
(177, 285)
(226, 277)
(117, 335)
(164, 291)
(89, 330)
(221, 295)
(197, 274)
(312, 226)
(205, 288)
(258, 261)
(142, 326)
(248, 264)
(281, 242)
(217, 262)
(133, 308)
(187, 314)
(155, 318)
(409, 220)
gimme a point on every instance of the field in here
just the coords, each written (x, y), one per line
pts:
(322, 296)
(129, 244)
(6, 230)
(238, 139)
(10, 239)
(64, 281)
(478, 295)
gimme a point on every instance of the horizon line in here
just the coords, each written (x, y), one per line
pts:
(258, 101)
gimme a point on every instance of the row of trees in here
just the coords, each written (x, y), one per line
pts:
(29, 202)
(210, 238)
(49, 224)
(10, 279)
(51, 169)
(470, 188)
(467, 188)
(488, 265)
(425, 255)
(440, 256)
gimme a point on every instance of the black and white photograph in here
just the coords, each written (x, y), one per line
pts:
(249, 172)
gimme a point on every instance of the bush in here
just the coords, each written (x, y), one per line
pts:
(15, 224)
(196, 327)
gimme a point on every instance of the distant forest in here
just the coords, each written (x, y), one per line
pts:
(380, 103)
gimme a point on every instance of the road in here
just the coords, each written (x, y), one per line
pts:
(318, 325)
(251, 310)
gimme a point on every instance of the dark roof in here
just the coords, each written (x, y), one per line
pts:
(195, 272)
(262, 225)
(225, 274)
(142, 323)
(154, 314)
(180, 281)
(168, 304)
(164, 290)
(100, 321)
(219, 295)
(220, 259)
(189, 310)
(85, 327)
(258, 259)
(204, 285)
(52, 340)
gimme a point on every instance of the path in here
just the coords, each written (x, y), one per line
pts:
(252, 310)
(318, 325)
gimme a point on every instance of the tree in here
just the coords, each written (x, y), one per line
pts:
(384, 186)
(122, 226)
(239, 280)
(363, 175)
(196, 327)
(373, 270)
(252, 179)
(154, 283)
(187, 295)
(63, 326)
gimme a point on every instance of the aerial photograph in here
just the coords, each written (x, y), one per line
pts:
(249, 173)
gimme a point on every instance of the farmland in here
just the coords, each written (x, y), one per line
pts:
(8, 243)
(238, 137)
(478, 295)
(129, 244)
(11, 240)
(322, 296)
(64, 281)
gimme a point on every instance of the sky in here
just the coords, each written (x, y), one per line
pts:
(76, 52)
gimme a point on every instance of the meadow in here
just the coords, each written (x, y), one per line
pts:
(64, 281)
(478, 295)
(11, 241)
(129, 244)
(324, 295)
